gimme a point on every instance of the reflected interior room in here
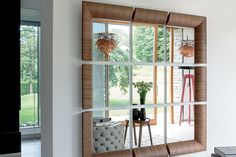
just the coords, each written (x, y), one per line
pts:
(111, 85)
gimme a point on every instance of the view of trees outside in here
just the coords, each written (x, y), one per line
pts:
(29, 75)
(119, 75)
(143, 45)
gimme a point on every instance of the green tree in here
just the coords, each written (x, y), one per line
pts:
(161, 46)
(143, 43)
(119, 75)
(29, 55)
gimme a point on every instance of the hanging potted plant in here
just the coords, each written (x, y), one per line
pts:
(143, 88)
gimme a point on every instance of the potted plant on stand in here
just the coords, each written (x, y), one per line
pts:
(143, 88)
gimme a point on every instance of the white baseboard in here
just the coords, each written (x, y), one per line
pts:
(30, 133)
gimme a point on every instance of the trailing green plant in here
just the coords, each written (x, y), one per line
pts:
(143, 88)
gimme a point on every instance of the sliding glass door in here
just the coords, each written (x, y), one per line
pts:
(29, 76)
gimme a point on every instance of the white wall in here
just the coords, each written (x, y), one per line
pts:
(30, 4)
(46, 79)
(61, 78)
(30, 10)
(62, 53)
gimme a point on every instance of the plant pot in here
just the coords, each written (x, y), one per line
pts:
(142, 101)
(135, 113)
(142, 97)
(142, 114)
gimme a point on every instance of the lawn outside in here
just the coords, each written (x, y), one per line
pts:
(29, 110)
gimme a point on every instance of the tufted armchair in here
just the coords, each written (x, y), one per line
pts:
(108, 137)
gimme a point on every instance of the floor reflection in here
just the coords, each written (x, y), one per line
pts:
(31, 148)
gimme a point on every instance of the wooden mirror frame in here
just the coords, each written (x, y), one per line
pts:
(92, 10)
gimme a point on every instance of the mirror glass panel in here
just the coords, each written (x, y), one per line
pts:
(148, 43)
(110, 130)
(114, 35)
(180, 44)
(180, 123)
(153, 75)
(150, 131)
(110, 85)
(143, 43)
(180, 84)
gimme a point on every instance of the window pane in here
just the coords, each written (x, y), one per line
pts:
(143, 42)
(161, 46)
(155, 75)
(149, 131)
(183, 45)
(97, 28)
(29, 42)
(180, 126)
(109, 131)
(145, 38)
(181, 84)
(120, 33)
(110, 85)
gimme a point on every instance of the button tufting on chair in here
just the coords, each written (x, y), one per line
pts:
(108, 138)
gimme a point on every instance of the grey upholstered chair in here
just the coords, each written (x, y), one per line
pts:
(108, 137)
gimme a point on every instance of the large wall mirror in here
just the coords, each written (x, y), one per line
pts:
(144, 82)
